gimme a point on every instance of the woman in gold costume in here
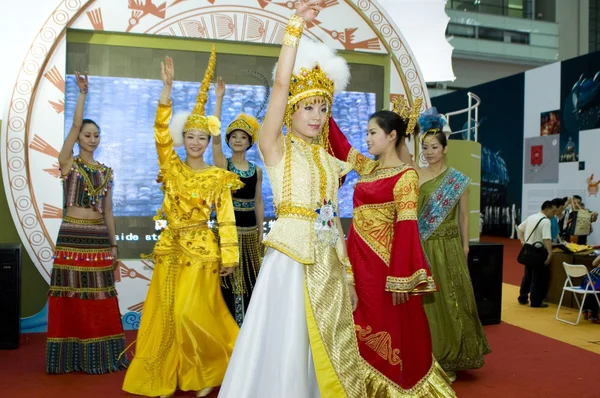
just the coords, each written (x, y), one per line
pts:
(298, 340)
(187, 334)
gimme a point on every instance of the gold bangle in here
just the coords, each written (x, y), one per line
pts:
(293, 31)
(349, 274)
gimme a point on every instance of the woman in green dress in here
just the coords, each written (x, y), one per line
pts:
(458, 340)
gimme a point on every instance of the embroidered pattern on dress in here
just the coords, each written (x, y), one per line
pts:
(375, 225)
(441, 201)
(380, 342)
(406, 196)
(417, 283)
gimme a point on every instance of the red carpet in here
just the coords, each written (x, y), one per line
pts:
(512, 270)
(523, 364)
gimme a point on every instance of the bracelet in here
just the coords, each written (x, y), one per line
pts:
(349, 274)
(114, 246)
(293, 31)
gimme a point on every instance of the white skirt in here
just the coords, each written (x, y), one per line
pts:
(272, 357)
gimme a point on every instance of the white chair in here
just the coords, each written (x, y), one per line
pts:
(576, 271)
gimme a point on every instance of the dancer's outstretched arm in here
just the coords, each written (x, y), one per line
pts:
(270, 139)
(219, 159)
(65, 157)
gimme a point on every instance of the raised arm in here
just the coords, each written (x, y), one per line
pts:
(219, 159)
(343, 150)
(270, 138)
(164, 142)
(65, 156)
(259, 206)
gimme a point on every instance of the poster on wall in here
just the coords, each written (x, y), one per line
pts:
(580, 99)
(574, 86)
(550, 123)
(541, 160)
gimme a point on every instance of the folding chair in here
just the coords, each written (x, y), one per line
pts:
(576, 271)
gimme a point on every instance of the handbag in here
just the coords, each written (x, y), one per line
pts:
(580, 223)
(533, 254)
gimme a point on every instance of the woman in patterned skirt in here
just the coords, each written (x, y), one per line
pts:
(248, 205)
(84, 323)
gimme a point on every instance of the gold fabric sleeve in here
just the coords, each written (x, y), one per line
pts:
(361, 163)
(406, 196)
(164, 143)
(228, 238)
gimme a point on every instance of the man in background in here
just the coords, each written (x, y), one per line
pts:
(575, 204)
(561, 204)
(536, 231)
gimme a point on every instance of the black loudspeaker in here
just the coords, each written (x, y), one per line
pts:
(10, 295)
(485, 267)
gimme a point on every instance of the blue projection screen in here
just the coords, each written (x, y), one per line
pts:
(125, 108)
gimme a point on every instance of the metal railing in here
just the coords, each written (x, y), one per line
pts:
(472, 123)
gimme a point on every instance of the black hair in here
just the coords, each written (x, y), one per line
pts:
(438, 135)
(577, 197)
(89, 121)
(389, 121)
(547, 205)
(558, 202)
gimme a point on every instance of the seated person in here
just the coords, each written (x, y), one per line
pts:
(590, 306)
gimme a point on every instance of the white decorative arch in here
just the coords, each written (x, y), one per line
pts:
(33, 130)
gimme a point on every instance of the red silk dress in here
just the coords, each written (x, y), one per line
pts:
(385, 251)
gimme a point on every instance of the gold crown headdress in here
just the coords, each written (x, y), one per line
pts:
(247, 123)
(400, 106)
(184, 121)
(318, 72)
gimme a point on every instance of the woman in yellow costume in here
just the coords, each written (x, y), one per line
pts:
(186, 334)
(297, 339)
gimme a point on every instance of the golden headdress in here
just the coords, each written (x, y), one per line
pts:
(184, 121)
(318, 72)
(411, 113)
(247, 123)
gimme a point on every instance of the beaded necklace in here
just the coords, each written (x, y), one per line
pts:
(96, 179)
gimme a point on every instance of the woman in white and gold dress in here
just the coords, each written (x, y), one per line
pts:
(297, 340)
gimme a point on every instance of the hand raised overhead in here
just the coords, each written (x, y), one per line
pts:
(308, 10)
(167, 71)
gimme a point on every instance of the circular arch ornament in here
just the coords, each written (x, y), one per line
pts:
(33, 128)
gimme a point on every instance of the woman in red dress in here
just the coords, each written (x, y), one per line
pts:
(389, 265)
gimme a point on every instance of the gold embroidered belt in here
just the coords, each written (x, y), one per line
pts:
(290, 210)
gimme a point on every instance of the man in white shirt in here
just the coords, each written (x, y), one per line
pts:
(536, 230)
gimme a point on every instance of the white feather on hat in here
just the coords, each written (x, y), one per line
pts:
(311, 53)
